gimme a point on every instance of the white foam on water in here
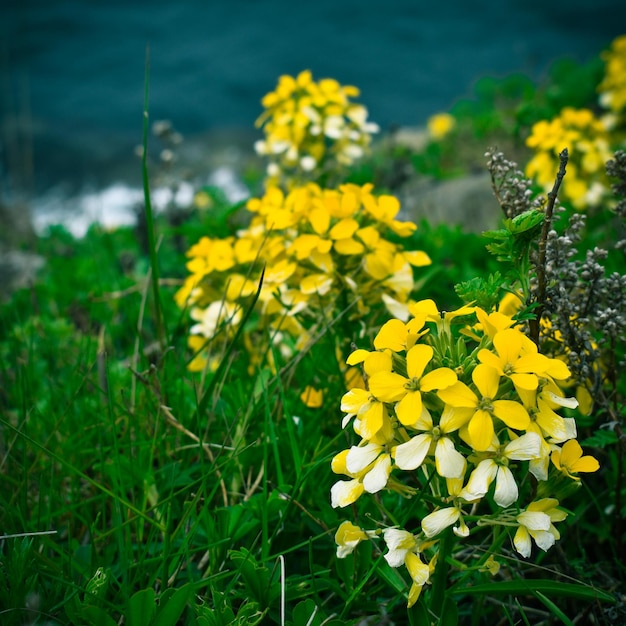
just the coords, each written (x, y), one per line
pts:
(226, 179)
(119, 204)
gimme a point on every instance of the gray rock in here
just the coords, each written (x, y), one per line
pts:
(17, 269)
(16, 228)
(468, 202)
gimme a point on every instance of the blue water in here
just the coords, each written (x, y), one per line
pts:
(74, 71)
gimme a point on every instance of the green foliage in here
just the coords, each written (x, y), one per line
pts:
(485, 293)
(137, 491)
(511, 245)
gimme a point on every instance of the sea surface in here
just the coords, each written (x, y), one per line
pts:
(72, 72)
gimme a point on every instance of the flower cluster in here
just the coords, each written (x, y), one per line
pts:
(310, 126)
(589, 139)
(325, 252)
(613, 87)
(460, 410)
(588, 142)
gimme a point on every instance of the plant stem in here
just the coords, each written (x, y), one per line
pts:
(440, 579)
(543, 243)
(154, 265)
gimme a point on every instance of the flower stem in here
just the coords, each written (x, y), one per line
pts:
(543, 242)
(440, 578)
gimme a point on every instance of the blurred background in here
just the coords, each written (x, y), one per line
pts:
(72, 83)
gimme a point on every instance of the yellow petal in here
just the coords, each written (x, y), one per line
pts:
(377, 362)
(409, 409)
(528, 382)
(417, 359)
(570, 453)
(586, 464)
(344, 229)
(348, 246)
(345, 492)
(388, 386)
(459, 395)
(487, 379)
(418, 570)
(438, 379)
(320, 220)
(358, 356)
(392, 335)
(481, 430)
(535, 363)
(513, 414)
(489, 358)
(371, 419)
(508, 343)
(417, 258)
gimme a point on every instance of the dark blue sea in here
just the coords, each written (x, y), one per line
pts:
(73, 71)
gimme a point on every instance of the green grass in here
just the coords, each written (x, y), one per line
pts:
(134, 491)
(164, 504)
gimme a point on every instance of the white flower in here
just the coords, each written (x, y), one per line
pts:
(449, 462)
(399, 543)
(439, 520)
(375, 464)
(524, 448)
(537, 522)
(345, 492)
(216, 314)
(348, 537)
(308, 163)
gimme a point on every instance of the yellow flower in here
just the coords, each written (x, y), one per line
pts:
(570, 460)
(516, 357)
(419, 573)
(310, 124)
(494, 322)
(393, 387)
(348, 537)
(404, 549)
(202, 200)
(479, 412)
(537, 522)
(440, 125)
(587, 141)
(397, 336)
(344, 492)
(312, 397)
(613, 86)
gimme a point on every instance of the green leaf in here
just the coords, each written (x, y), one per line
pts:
(95, 616)
(418, 614)
(256, 577)
(172, 604)
(450, 614)
(141, 608)
(530, 587)
(600, 439)
(554, 609)
(528, 223)
(306, 614)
